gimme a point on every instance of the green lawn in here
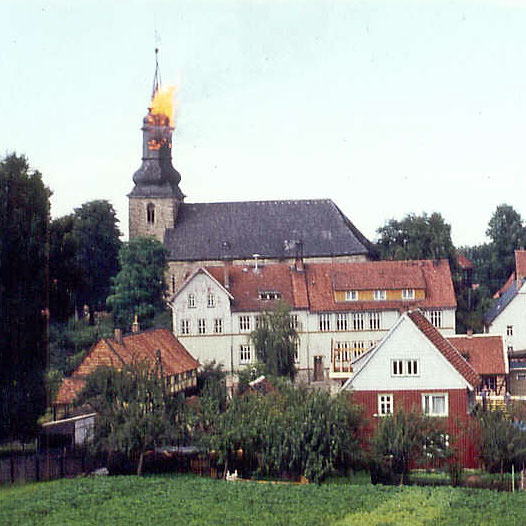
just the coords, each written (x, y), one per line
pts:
(191, 500)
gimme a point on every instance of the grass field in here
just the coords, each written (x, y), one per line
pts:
(191, 500)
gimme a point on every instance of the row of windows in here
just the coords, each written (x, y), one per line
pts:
(405, 368)
(379, 295)
(246, 354)
(210, 300)
(433, 404)
(202, 328)
(357, 321)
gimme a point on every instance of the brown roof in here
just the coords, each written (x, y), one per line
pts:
(142, 346)
(464, 262)
(484, 353)
(445, 347)
(520, 263)
(433, 276)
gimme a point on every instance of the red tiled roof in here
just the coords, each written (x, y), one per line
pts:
(445, 347)
(246, 284)
(520, 263)
(484, 353)
(464, 262)
(142, 346)
(434, 276)
(509, 282)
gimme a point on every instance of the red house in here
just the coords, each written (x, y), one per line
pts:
(415, 368)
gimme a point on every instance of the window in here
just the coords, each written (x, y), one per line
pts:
(294, 322)
(173, 283)
(509, 330)
(510, 348)
(244, 353)
(385, 404)
(150, 213)
(185, 327)
(405, 368)
(218, 326)
(210, 300)
(351, 295)
(521, 377)
(269, 295)
(380, 295)
(375, 321)
(435, 317)
(258, 322)
(357, 321)
(191, 301)
(408, 294)
(324, 322)
(341, 322)
(435, 404)
(244, 323)
(296, 351)
(201, 326)
(343, 349)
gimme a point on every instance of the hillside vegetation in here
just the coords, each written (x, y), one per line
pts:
(199, 501)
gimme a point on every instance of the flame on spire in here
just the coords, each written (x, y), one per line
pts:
(163, 102)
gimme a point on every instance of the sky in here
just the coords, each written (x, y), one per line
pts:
(386, 107)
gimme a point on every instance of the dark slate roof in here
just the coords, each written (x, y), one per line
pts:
(503, 301)
(272, 229)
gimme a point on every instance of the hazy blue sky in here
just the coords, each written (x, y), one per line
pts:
(387, 107)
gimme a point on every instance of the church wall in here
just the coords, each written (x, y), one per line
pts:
(164, 214)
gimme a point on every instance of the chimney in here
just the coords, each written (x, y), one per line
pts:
(226, 274)
(470, 333)
(118, 336)
(135, 325)
(256, 267)
(299, 265)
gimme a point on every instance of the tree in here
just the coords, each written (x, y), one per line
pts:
(96, 236)
(135, 411)
(139, 287)
(416, 237)
(24, 223)
(407, 437)
(275, 341)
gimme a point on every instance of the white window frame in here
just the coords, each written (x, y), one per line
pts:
(351, 295)
(201, 326)
(211, 300)
(342, 321)
(191, 301)
(218, 326)
(380, 295)
(408, 294)
(294, 321)
(358, 321)
(435, 318)
(402, 367)
(427, 400)
(184, 327)
(375, 321)
(269, 295)
(245, 354)
(385, 404)
(509, 330)
(324, 322)
(244, 323)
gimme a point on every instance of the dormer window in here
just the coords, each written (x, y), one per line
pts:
(380, 295)
(150, 213)
(269, 295)
(408, 294)
(351, 295)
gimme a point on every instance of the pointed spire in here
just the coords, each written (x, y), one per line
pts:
(157, 75)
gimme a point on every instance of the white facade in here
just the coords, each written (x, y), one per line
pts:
(510, 323)
(206, 324)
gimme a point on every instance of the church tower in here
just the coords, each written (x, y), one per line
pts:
(156, 196)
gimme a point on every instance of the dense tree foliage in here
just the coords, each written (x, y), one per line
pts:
(416, 237)
(275, 341)
(407, 437)
(139, 287)
(135, 411)
(24, 226)
(290, 432)
(96, 235)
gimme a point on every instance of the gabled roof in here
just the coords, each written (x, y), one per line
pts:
(464, 262)
(202, 270)
(451, 354)
(273, 229)
(484, 353)
(503, 301)
(142, 346)
(433, 276)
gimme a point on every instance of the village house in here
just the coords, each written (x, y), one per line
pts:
(416, 368)
(338, 309)
(179, 367)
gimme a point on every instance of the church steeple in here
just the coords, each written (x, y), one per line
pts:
(156, 196)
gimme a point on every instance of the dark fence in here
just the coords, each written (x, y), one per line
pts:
(20, 467)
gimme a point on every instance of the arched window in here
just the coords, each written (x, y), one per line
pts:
(150, 213)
